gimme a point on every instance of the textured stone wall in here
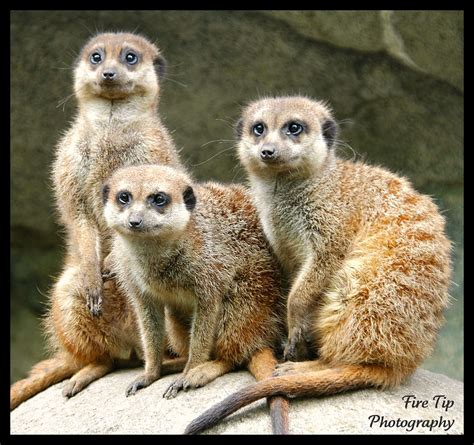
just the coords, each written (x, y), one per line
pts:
(394, 79)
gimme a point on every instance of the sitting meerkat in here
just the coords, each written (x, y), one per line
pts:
(366, 255)
(199, 251)
(117, 84)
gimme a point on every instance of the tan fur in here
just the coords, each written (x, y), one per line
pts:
(116, 125)
(367, 258)
(209, 265)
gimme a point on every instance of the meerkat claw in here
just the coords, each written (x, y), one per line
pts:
(173, 389)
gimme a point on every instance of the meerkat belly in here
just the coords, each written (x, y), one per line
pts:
(175, 297)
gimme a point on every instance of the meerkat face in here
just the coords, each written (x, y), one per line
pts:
(116, 66)
(148, 201)
(287, 134)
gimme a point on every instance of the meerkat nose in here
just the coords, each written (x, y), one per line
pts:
(268, 151)
(135, 222)
(109, 75)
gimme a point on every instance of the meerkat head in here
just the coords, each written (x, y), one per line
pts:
(285, 134)
(118, 65)
(148, 201)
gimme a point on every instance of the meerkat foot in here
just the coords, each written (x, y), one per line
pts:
(205, 373)
(297, 347)
(84, 377)
(172, 390)
(197, 377)
(298, 367)
(140, 382)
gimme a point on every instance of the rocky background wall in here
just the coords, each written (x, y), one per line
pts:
(394, 79)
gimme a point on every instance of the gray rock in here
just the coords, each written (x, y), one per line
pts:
(103, 408)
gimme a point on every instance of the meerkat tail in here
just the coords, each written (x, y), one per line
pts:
(319, 383)
(42, 375)
(261, 366)
(279, 410)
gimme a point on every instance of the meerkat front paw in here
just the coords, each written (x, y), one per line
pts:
(175, 387)
(107, 272)
(140, 382)
(93, 291)
(107, 275)
(284, 369)
(298, 347)
(94, 300)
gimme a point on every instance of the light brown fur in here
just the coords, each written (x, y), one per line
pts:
(366, 255)
(207, 262)
(116, 125)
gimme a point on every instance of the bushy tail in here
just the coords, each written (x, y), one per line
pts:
(325, 382)
(42, 376)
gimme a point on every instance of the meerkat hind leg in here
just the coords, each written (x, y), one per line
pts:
(198, 376)
(85, 376)
(173, 365)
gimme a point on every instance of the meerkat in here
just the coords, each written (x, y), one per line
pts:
(199, 251)
(117, 85)
(366, 255)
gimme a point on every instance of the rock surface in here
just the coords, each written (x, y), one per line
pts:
(103, 408)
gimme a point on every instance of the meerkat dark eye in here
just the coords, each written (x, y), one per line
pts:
(131, 58)
(258, 129)
(96, 58)
(159, 199)
(124, 198)
(294, 129)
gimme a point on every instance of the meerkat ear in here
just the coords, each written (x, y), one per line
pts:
(160, 65)
(329, 131)
(105, 193)
(189, 198)
(238, 128)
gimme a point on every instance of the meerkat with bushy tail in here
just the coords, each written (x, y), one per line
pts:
(366, 255)
(117, 85)
(198, 250)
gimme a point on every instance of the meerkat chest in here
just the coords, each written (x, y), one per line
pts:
(102, 152)
(166, 279)
(299, 224)
(285, 227)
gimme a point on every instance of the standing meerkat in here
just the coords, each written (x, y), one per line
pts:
(116, 84)
(366, 255)
(199, 250)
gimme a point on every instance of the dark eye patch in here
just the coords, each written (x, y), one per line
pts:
(294, 128)
(124, 197)
(258, 129)
(159, 199)
(130, 57)
(96, 57)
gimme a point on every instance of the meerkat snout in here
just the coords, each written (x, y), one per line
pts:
(268, 152)
(135, 221)
(109, 75)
